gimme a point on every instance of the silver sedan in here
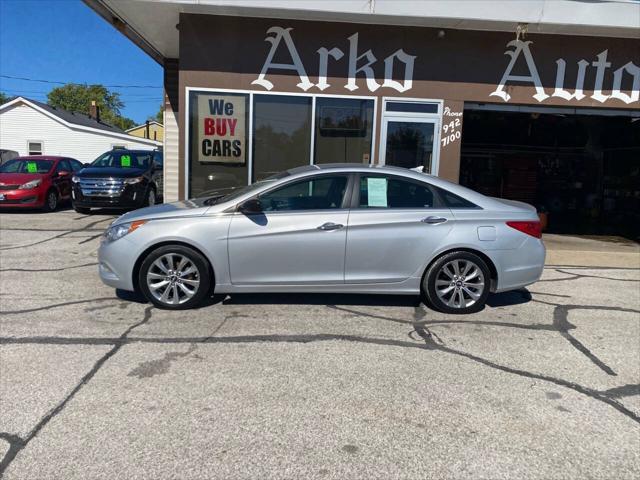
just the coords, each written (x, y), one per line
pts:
(339, 228)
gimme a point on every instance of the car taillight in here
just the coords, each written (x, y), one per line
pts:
(530, 228)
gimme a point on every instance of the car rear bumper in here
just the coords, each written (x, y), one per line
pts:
(21, 199)
(519, 267)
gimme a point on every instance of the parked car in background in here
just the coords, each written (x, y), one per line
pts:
(37, 181)
(6, 155)
(329, 228)
(120, 178)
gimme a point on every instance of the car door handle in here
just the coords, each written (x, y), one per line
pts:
(330, 226)
(431, 220)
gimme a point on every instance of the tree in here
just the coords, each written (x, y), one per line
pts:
(4, 98)
(78, 98)
(160, 115)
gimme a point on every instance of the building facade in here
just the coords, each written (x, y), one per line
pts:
(150, 129)
(30, 127)
(512, 103)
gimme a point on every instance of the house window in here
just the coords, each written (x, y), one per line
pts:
(34, 147)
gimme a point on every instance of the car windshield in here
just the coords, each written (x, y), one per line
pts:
(26, 166)
(237, 192)
(124, 159)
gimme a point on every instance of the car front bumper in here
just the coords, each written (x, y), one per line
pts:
(116, 261)
(132, 196)
(22, 198)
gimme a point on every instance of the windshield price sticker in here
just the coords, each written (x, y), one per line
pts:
(125, 160)
(32, 167)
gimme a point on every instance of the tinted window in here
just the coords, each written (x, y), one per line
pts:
(157, 157)
(27, 166)
(76, 165)
(392, 192)
(454, 201)
(63, 166)
(318, 194)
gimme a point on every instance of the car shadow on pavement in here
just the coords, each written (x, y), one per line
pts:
(321, 299)
(504, 299)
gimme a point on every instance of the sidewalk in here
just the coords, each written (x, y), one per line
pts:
(591, 251)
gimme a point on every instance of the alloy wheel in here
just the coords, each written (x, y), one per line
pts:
(52, 201)
(459, 283)
(173, 279)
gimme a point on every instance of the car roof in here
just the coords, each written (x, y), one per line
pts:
(40, 157)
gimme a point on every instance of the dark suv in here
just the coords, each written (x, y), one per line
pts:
(119, 179)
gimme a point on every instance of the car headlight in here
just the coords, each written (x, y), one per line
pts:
(75, 179)
(30, 185)
(118, 231)
(130, 181)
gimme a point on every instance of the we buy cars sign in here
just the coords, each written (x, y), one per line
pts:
(221, 129)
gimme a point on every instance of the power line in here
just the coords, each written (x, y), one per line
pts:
(73, 83)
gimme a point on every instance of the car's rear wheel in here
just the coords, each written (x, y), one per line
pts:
(175, 277)
(457, 282)
(50, 201)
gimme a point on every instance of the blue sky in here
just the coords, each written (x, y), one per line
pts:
(63, 40)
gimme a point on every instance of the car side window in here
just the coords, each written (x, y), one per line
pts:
(63, 166)
(76, 165)
(452, 200)
(379, 191)
(157, 157)
(322, 193)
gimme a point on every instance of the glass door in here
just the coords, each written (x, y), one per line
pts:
(409, 142)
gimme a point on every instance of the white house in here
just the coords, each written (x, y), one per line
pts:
(30, 127)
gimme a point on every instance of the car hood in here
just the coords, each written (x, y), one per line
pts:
(98, 172)
(19, 178)
(186, 208)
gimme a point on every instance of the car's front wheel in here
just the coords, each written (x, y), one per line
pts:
(175, 277)
(457, 282)
(50, 201)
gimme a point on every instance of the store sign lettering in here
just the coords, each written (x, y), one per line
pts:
(221, 129)
(521, 48)
(277, 36)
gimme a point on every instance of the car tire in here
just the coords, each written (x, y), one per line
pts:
(83, 210)
(173, 270)
(50, 201)
(150, 198)
(457, 282)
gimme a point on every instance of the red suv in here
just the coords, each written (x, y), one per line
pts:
(36, 182)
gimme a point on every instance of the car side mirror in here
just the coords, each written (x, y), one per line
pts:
(86, 165)
(251, 206)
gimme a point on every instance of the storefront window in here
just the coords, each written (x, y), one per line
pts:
(218, 133)
(343, 130)
(282, 133)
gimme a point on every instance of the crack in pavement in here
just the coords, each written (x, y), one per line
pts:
(17, 444)
(61, 269)
(64, 304)
(577, 276)
(64, 233)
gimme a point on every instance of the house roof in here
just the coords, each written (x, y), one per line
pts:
(77, 120)
(75, 117)
(151, 122)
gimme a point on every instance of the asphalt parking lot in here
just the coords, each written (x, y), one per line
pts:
(543, 383)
